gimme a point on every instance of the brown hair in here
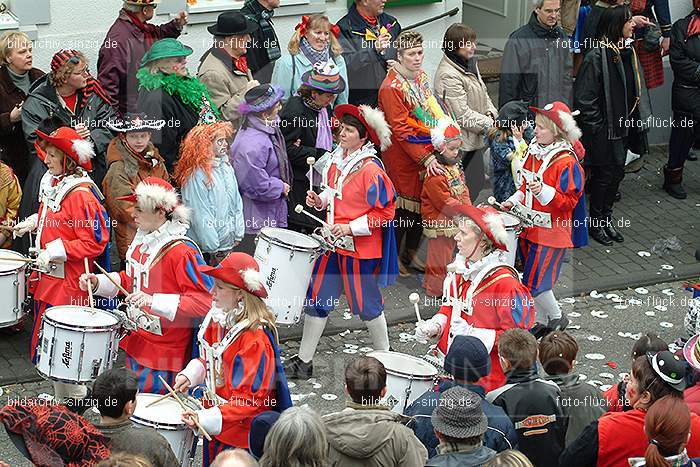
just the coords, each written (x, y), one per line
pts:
(408, 40)
(666, 424)
(316, 21)
(649, 342)
(60, 76)
(457, 36)
(557, 353)
(519, 347)
(649, 381)
(365, 378)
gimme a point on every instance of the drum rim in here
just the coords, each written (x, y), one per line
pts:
(64, 380)
(159, 425)
(76, 327)
(278, 242)
(401, 373)
(20, 257)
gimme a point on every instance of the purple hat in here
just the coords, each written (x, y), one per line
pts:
(261, 98)
(324, 77)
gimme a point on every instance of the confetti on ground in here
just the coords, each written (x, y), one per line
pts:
(666, 267)
(351, 351)
(366, 349)
(605, 387)
(574, 314)
(569, 300)
(595, 382)
(666, 324)
(574, 326)
(345, 333)
(593, 338)
(660, 308)
(347, 315)
(634, 301)
(629, 335)
(317, 385)
(621, 306)
(612, 296)
(595, 294)
(668, 292)
(606, 375)
(595, 356)
(291, 384)
(641, 291)
(598, 314)
(650, 313)
(351, 346)
(582, 377)
(407, 336)
(329, 397)
(643, 254)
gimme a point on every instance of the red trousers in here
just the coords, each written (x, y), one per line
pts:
(440, 254)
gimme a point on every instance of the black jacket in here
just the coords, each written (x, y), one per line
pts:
(366, 67)
(264, 48)
(299, 122)
(536, 66)
(532, 405)
(179, 120)
(685, 62)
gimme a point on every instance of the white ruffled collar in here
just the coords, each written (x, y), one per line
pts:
(220, 316)
(472, 268)
(540, 151)
(149, 239)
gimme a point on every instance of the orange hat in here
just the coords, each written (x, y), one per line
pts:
(71, 143)
(240, 270)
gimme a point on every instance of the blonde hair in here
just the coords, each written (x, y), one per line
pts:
(316, 21)
(549, 124)
(154, 66)
(487, 245)
(509, 458)
(254, 308)
(10, 41)
(60, 76)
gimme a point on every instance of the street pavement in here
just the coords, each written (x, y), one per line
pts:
(604, 324)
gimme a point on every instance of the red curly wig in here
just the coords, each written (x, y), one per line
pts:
(195, 151)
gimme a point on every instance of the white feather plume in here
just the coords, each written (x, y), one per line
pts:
(494, 221)
(437, 133)
(83, 148)
(182, 214)
(152, 197)
(569, 126)
(375, 119)
(252, 279)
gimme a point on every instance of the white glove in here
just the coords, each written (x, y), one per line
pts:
(428, 329)
(27, 225)
(43, 260)
(459, 327)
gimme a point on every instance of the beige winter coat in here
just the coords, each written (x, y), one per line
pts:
(226, 85)
(467, 99)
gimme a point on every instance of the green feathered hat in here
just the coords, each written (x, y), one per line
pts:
(166, 48)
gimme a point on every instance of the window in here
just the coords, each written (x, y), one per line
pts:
(7, 19)
(26, 14)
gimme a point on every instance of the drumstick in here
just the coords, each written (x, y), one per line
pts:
(184, 407)
(300, 209)
(122, 289)
(161, 398)
(415, 298)
(311, 161)
(89, 289)
(21, 260)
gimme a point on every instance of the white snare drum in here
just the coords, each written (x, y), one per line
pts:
(77, 343)
(286, 260)
(513, 228)
(407, 379)
(13, 288)
(164, 417)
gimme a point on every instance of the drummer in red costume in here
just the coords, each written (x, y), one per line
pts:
(240, 364)
(361, 201)
(550, 192)
(71, 225)
(490, 296)
(162, 276)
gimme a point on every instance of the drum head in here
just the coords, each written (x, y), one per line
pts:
(81, 316)
(510, 221)
(165, 412)
(7, 266)
(404, 365)
(289, 239)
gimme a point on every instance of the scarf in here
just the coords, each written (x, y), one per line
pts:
(312, 54)
(693, 25)
(263, 17)
(92, 87)
(188, 89)
(150, 32)
(324, 136)
(539, 151)
(468, 66)
(679, 460)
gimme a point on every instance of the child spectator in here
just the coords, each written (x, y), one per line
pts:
(581, 402)
(615, 437)
(508, 140)
(10, 197)
(667, 426)
(368, 433)
(615, 396)
(440, 191)
(460, 425)
(531, 403)
(467, 361)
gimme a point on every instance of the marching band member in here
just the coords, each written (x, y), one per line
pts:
(550, 193)
(486, 291)
(240, 362)
(361, 202)
(71, 225)
(161, 273)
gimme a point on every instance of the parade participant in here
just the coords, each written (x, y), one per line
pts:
(71, 225)
(314, 42)
(240, 362)
(411, 111)
(161, 276)
(361, 202)
(131, 157)
(210, 190)
(551, 193)
(306, 127)
(441, 191)
(485, 290)
(264, 49)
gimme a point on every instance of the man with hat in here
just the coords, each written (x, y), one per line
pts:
(460, 424)
(484, 297)
(467, 361)
(125, 44)
(166, 292)
(224, 69)
(264, 49)
(131, 157)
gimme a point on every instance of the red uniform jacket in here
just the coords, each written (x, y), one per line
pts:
(501, 302)
(439, 192)
(181, 294)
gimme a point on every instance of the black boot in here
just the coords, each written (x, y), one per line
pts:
(612, 231)
(539, 330)
(295, 368)
(672, 182)
(599, 234)
(558, 324)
